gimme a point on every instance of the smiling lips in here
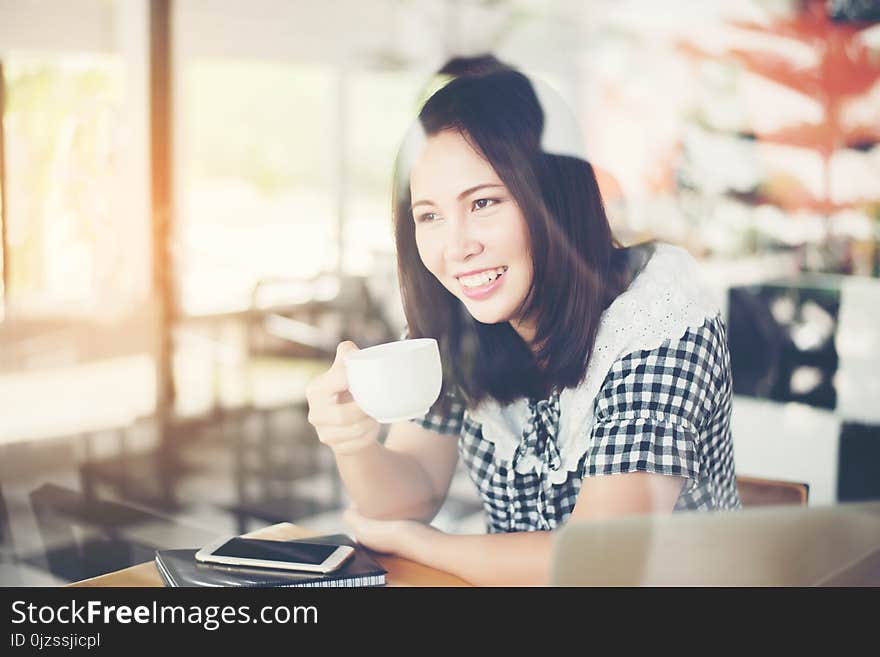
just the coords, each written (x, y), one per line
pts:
(481, 284)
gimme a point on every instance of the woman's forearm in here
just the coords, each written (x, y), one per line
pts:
(514, 559)
(387, 485)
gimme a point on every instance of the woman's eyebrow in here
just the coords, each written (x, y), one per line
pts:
(466, 192)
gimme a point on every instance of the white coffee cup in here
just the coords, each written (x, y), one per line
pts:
(395, 381)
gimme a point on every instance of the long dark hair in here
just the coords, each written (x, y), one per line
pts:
(579, 269)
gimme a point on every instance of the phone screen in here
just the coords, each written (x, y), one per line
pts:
(288, 552)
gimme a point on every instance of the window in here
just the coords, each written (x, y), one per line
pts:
(68, 237)
(383, 105)
(256, 148)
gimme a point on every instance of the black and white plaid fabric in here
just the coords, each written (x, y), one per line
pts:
(664, 411)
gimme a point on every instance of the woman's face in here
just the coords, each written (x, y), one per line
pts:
(471, 234)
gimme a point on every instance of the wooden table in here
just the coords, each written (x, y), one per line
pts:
(401, 572)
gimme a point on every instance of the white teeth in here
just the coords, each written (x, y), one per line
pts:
(478, 280)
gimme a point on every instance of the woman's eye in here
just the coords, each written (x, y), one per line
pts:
(483, 203)
(427, 217)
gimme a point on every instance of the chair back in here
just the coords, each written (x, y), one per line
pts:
(755, 491)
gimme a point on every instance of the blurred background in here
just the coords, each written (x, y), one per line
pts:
(195, 206)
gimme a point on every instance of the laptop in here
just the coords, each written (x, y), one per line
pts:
(835, 545)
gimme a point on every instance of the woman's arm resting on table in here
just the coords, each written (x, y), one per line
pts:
(517, 558)
(406, 478)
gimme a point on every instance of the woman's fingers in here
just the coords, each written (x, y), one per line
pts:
(333, 435)
(335, 414)
(338, 420)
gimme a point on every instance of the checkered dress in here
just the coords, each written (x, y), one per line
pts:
(664, 411)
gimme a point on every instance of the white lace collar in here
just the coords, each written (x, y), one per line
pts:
(661, 303)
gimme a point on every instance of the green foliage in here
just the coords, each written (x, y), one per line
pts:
(269, 124)
(59, 122)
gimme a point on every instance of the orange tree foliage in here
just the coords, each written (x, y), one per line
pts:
(843, 68)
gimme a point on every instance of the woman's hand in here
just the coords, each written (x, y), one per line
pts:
(339, 421)
(385, 536)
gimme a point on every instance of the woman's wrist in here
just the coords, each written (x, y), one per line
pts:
(356, 446)
(417, 545)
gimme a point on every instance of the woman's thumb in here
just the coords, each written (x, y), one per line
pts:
(343, 348)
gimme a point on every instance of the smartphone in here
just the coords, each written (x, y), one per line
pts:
(285, 555)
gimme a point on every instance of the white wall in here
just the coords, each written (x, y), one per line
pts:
(282, 30)
(49, 25)
(791, 442)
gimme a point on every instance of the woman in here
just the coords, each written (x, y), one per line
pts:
(581, 379)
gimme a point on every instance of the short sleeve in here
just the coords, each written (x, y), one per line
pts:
(653, 405)
(448, 423)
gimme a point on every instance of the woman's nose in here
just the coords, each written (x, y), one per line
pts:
(461, 243)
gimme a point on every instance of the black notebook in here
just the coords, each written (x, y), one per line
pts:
(180, 568)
